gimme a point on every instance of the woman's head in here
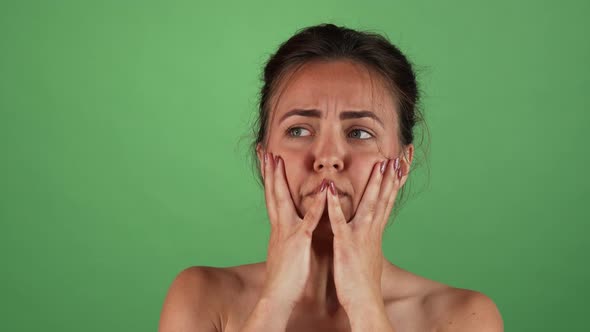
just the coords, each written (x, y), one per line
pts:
(334, 102)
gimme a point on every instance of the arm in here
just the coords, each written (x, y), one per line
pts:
(191, 304)
(370, 317)
(267, 316)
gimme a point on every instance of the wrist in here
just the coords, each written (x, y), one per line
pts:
(268, 315)
(369, 316)
(275, 306)
(365, 301)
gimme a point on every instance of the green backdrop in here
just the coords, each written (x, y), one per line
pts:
(122, 161)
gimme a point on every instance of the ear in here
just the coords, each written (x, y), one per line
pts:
(406, 162)
(260, 153)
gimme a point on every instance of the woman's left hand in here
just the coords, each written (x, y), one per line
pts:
(358, 257)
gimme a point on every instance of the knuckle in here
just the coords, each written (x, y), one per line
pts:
(310, 215)
(367, 219)
(307, 232)
(282, 200)
(372, 207)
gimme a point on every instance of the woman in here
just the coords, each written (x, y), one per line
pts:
(334, 147)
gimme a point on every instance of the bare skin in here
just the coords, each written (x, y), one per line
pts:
(313, 147)
(413, 303)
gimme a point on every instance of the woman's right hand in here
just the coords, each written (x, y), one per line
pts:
(289, 248)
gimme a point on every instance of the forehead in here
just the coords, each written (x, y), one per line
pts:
(335, 85)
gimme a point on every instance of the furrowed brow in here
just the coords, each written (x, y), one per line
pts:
(302, 112)
(360, 114)
(345, 115)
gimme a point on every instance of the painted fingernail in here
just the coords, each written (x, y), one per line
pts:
(266, 158)
(332, 188)
(399, 173)
(396, 164)
(383, 165)
(323, 186)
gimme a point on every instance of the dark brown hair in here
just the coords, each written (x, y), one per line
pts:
(330, 42)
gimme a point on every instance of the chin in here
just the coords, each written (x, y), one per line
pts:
(344, 203)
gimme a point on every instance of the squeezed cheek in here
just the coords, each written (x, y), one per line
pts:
(360, 182)
(294, 183)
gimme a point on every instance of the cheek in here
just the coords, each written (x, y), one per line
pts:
(359, 178)
(294, 177)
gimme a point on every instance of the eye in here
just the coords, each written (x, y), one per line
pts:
(357, 133)
(296, 131)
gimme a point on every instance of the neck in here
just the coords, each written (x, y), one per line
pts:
(320, 291)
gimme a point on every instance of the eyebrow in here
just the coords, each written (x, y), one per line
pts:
(344, 115)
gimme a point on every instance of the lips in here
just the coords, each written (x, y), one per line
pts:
(317, 190)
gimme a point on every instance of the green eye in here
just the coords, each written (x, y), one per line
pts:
(357, 133)
(296, 131)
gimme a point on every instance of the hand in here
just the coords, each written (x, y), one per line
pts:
(289, 249)
(358, 256)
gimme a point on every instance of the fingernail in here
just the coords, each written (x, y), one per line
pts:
(323, 186)
(383, 164)
(396, 165)
(266, 157)
(399, 173)
(332, 188)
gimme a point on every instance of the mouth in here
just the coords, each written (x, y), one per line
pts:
(340, 194)
(317, 191)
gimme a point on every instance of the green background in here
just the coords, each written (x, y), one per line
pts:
(123, 159)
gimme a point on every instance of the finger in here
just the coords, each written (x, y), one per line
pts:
(283, 200)
(370, 200)
(269, 187)
(313, 216)
(389, 189)
(337, 219)
(400, 176)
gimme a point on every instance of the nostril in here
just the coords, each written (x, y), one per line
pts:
(320, 166)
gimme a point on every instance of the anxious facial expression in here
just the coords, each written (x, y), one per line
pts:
(332, 120)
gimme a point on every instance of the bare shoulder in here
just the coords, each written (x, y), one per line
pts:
(459, 309)
(197, 299)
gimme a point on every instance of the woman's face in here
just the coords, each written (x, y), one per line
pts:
(333, 120)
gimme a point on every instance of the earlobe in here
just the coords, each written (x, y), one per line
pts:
(259, 153)
(408, 156)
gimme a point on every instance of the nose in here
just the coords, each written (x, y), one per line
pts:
(328, 164)
(329, 156)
